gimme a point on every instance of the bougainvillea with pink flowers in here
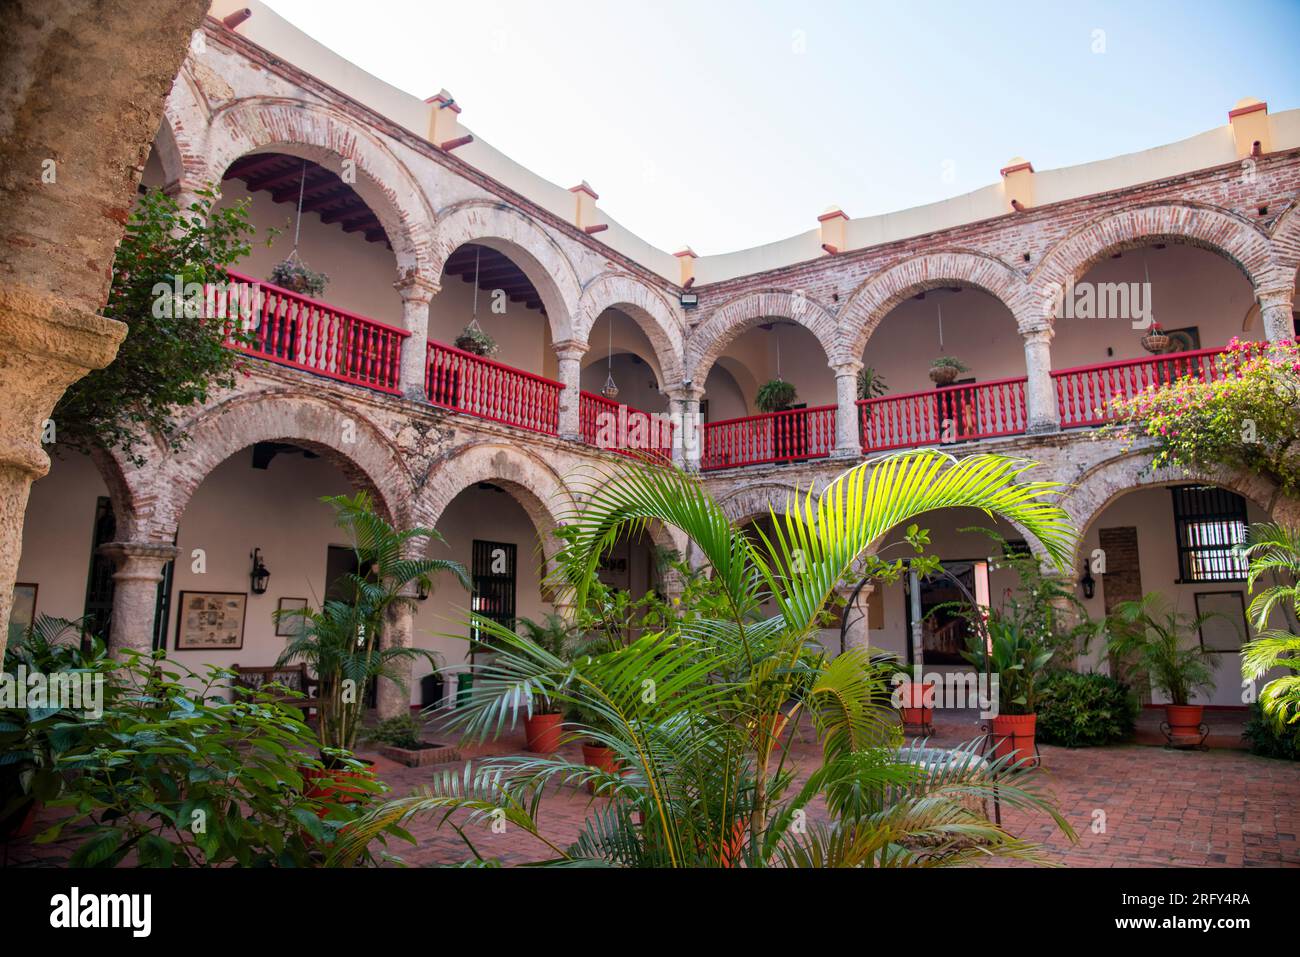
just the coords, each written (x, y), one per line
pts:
(1248, 417)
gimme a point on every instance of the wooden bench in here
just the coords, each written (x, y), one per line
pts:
(293, 677)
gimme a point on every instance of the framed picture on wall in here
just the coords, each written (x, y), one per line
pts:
(24, 610)
(286, 625)
(1225, 632)
(211, 620)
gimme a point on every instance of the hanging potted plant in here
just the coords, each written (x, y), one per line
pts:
(296, 276)
(1155, 340)
(475, 341)
(1019, 660)
(1151, 632)
(775, 395)
(945, 369)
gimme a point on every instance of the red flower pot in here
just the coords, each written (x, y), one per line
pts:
(599, 757)
(330, 785)
(917, 704)
(1013, 734)
(544, 732)
(1184, 720)
(777, 726)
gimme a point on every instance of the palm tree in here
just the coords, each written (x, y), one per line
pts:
(340, 640)
(694, 712)
(1274, 549)
(1152, 631)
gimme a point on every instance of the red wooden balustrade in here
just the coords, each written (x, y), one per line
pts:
(1084, 394)
(295, 330)
(956, 413)
(608, 424)
(460, 380)
(775, 437)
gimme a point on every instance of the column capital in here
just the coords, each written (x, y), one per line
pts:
(1038, 334)
(416, 288)
(1283, 295)
(685, 393)
(122, 552)
(570, 348)
(846, 367)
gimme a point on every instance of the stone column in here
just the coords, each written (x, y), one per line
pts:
(1042, 413)
(416, 292)
(569, 353)
(1275, 306)
(393, 695)
(688, 430)
(135, 592)
(48, 345)
(848, 435)
(858, 634)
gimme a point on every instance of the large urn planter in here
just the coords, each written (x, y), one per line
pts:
(1013, 734)
(544, 732)
(1184, 722)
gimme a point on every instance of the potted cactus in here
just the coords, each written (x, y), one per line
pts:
(945, 369)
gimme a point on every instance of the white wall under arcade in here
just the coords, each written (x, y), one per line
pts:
(277, 509)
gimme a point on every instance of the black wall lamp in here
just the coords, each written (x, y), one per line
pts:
(259, 575)
(422, 589)
(1087, 582)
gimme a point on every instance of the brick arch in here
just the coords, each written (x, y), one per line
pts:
(1192, 224)
(161, 490)
(1110, 480)
(752, 501)
(732, 319)
(330, 138)
(1286, 244)
(646, 307)
(871, 302)
(534, 484)
(529, 246)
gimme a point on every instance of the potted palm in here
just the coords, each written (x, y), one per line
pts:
(1019, 659)
(544, 725)
(340, 641)
(1151, 633)
(945, 369)
(775, 395)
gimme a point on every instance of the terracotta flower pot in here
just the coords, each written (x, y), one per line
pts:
(599, 757)
(777, 726)
(330, 785)
(1184, 720)
(1013, 734)
(544, 732)
(917, 704)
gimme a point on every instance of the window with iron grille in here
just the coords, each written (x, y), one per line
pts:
(492, 568)
(1210, 526)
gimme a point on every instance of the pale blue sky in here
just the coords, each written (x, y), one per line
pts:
(728, 124)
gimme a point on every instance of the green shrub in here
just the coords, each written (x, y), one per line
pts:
(1266, 740)
(402, 731)
(1080, 711)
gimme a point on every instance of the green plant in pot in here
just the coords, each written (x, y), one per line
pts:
(476, 342)
(1151, 633)
(296, 276)
(775, 395)
(945, 369)
(871, 385)
(35, 736)
(340, 641)
(1019, 658)
(544, 725)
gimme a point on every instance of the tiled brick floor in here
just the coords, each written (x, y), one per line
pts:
(1150, 807)
(1132, 806)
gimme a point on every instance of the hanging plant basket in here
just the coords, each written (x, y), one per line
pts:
(610, 391)
(775, 395)
(476, 342)
(296, 276)
(945, 369)
(1156, 340)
